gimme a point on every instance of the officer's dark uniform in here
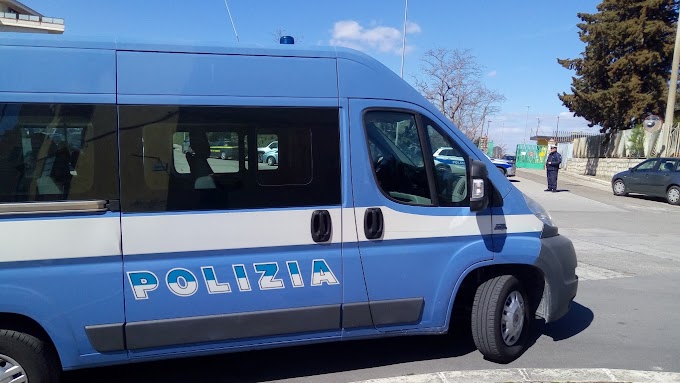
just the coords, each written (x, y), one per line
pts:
(552, 166)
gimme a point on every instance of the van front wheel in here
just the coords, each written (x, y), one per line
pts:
(25, 358)
(500, 319)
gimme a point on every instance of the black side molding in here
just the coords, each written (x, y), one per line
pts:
(221, 328)
(356, 315)
(397, 311)
(106, 337)
(216, 328)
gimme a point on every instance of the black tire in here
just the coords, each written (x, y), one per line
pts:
(619, 188)
(223, 155)
(37, 358)
(271, 161)
(443, 168)
(505, 172)
(672, 195)
(487, 319)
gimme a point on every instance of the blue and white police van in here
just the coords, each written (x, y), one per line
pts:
(124, 240)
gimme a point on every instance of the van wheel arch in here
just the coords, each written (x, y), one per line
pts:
(26, 325)
(530, 276)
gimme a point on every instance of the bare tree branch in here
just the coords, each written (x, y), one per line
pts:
(452, 82)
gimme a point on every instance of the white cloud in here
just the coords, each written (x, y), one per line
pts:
(493, 73)
(412, 28)
(351, 34)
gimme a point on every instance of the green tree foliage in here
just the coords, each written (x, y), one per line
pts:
(636, 142)
(624, 72)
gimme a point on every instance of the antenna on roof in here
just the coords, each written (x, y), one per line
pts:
(232, 20)
(403, 43)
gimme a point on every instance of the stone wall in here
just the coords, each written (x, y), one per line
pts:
(603, 168)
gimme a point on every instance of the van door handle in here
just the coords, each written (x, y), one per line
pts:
(321, 226)
(373, 223)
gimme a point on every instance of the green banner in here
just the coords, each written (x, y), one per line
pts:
(531, 156)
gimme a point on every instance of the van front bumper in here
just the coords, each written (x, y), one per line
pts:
(557, 261)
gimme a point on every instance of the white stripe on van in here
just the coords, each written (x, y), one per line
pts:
(400, 225)
(170, 233)
(36, 239)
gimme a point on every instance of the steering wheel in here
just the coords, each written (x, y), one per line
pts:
(382, 165)
(459, 190)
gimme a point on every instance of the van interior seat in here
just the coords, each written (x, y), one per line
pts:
(197, 158)
(52, 171)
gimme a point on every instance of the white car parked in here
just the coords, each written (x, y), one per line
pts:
(445, 159)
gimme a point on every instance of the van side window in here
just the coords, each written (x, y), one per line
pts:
(450, 167)
(397, 156)
(285, 156)
(176, 158)
(57, 152)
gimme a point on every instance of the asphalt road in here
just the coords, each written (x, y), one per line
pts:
(626, 314)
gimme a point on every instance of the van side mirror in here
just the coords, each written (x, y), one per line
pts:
(479, 198)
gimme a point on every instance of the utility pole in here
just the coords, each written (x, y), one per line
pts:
(672, 89)
(526, 124)
(557, 130)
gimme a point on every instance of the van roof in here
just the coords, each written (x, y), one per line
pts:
(183, 46)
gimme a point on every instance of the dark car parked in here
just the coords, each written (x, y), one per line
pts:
(659, 177)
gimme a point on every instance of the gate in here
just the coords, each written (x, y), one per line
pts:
(530, 156)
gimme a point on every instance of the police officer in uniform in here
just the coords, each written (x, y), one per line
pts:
(552, 166)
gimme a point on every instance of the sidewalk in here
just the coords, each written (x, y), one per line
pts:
(536, 375)
(565, 176)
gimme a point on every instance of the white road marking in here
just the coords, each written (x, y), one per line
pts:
(588, 272)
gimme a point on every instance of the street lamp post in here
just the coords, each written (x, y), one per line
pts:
(526, 124)
(670, 103)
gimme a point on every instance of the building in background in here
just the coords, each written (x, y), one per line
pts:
(17, 17)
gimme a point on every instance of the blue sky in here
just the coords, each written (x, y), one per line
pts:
(517, 43)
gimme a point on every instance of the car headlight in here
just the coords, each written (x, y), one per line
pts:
(549, 227)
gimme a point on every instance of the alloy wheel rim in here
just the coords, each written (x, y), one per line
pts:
(512, 319)
(11, 371)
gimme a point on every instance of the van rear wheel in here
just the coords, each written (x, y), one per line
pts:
(500, 319)
(25, 358)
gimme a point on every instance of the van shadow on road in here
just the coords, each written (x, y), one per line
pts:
(283, 363)
(301, 361)
(574, 322)
(577, 319)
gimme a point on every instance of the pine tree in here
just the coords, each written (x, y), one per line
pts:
(624, 72)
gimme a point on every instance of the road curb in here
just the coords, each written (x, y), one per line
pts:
(536, 375)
